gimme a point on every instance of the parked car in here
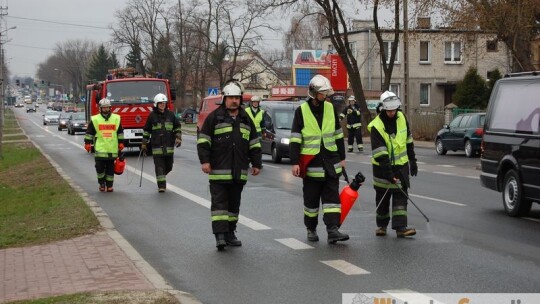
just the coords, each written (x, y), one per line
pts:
(464, 133)
(31, 108)
(50, 117)
(510, 160)
(278, 118)
(209, 104)
(62, 121)
(189, 116)
(76, 123)
(50, 105)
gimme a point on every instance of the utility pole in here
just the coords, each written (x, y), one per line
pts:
(406, 58)
(3, 12)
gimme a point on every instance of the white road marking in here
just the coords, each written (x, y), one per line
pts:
(531, 219)
(447, 166)
(438, 200)
(294, 244)
(473, 177)
(345, 267)
(443, 173)
(410, 296)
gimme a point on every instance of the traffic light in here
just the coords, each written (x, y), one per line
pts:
(42, 82)
(18, 82)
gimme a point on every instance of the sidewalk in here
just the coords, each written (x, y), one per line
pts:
(103, 261)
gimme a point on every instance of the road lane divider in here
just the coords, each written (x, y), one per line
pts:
(294, 244)
(345, 267)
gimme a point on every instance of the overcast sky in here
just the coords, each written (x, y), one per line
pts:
(38, 29)
(41, 24)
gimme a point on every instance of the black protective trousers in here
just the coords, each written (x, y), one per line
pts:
(354, 133)
(317, 192)
(399, 207)
(105, 171)
(163, 165)
(225, 207)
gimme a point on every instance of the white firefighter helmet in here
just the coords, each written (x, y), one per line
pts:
(104, 103)
(320, 84)
(159, 98)
(352, 98)
(232, 88)
(390, 101)
(256, 99)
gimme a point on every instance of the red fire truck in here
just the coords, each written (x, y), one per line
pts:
(131, 96)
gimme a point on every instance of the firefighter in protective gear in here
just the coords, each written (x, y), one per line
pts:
(393, 158)
(106, 133)
(354, 124)
(163, 133)
(256, 114)
(317, 152)
(226, 145)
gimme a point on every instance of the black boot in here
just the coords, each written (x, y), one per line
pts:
(334, 235)
(232, 240)
(220, 241)
(312, 235)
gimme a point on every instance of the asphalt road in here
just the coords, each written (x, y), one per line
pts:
(469, 244)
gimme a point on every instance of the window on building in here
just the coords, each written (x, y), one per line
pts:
(387, 48)
(330, 48)
(425, 89)
(452, 52)
(254, 78)
(394, 87)
(491, 45)
(424, 52)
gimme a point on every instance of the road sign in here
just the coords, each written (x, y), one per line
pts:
(213, 91)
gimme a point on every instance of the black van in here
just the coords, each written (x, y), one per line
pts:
(510, 158)
(278, 118)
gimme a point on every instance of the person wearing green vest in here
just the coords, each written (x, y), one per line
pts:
(106, 133)
(392, 158)
(354, 124)
(256, 114)
(317, 153)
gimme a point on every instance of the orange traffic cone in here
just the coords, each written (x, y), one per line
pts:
(119, 164)
(349, 194)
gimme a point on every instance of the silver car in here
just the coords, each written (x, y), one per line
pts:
(50, 117)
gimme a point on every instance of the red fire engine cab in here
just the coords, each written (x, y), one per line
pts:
(131, 96)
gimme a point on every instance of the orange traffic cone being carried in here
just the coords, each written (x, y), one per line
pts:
(349, 194)
(119, 164)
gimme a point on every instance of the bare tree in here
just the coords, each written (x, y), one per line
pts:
(336, 23)
(387, 61)
(304, 33)
(74, 57)
(142, 25)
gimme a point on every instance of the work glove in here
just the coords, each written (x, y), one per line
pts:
(178, 141)
(120, 146)
(143, 149)
(414, 168)
(88, 147)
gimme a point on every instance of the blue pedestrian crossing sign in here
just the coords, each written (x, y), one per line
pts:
(213, 91)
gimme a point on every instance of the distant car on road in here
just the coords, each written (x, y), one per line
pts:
(278, 118)
(31, 108)
(62, 121)
(76, 123)
(50, 117)
(463, 133)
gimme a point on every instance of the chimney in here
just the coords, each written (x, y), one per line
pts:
(423, 23)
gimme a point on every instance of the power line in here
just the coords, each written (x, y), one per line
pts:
(62, 23)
